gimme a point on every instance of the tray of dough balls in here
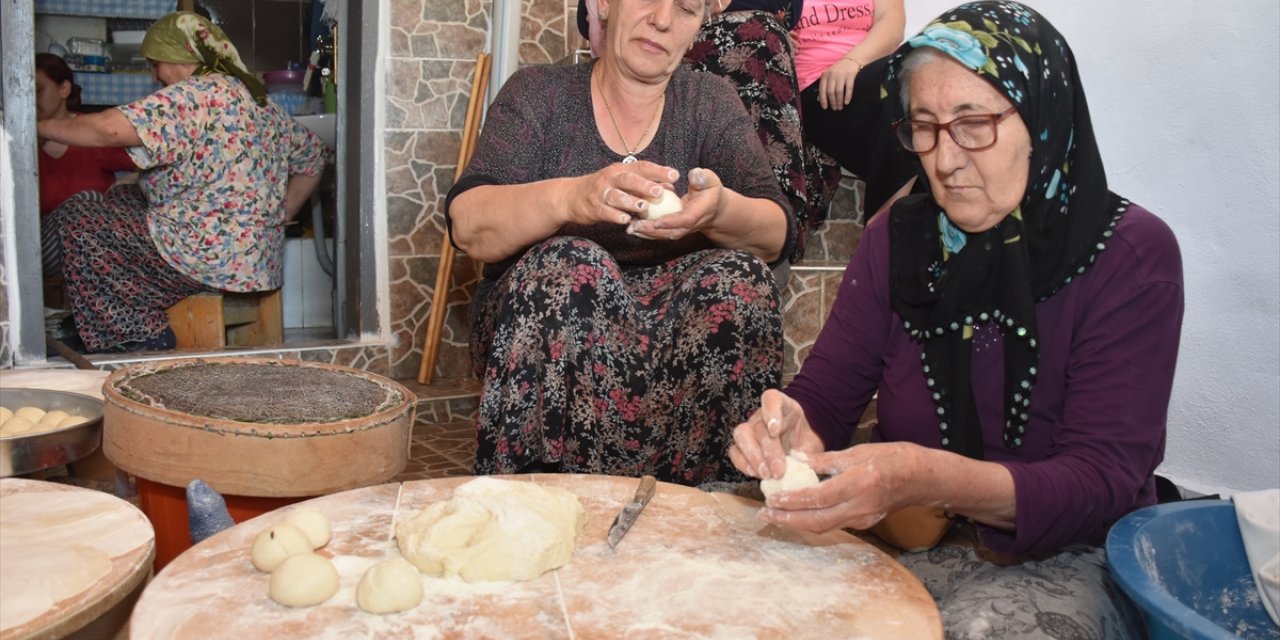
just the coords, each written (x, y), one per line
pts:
(43, 428)
(526, 557)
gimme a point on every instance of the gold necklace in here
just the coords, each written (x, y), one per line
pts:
(631, 155)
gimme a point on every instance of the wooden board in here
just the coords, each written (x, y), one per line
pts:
(69, 516)
(694, 565)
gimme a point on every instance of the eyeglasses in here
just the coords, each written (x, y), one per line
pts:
(974, 133)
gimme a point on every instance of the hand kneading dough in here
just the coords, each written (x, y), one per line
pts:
(667, 204)
(313, 523)
(494, 530)
(276, 543)
(390, 586)
(304, 579)
(797, 476)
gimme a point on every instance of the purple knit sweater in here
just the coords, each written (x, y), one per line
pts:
(1108, 345)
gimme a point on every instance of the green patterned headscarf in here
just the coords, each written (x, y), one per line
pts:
(183, 37)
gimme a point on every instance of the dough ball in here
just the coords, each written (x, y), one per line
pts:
(313, 523)
(71, 421)
(5, 414)
(303, 580)
(493, 529)
(32, 414)
(15, 426)
(797, 476)
(666, 204)
(276, 543)
(390, 586)
(53, 417)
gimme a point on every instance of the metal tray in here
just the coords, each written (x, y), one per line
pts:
(25, 453)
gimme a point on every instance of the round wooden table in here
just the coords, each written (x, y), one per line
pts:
(47, 530)
(694, 564)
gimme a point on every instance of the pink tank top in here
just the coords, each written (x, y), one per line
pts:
(827, 30)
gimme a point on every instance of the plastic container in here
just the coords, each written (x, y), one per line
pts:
(284, 80)
(1184, 565)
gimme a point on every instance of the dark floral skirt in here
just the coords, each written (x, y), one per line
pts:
(590, 368)
(116, 281)
(751, 50)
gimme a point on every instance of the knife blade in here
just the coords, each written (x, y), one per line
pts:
(631, 510)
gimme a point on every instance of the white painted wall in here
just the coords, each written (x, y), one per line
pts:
(1185, 99)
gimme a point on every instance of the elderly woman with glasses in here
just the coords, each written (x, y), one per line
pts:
(609, 339)
(1020, 325)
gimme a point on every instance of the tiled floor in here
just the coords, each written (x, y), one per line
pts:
(440, 450)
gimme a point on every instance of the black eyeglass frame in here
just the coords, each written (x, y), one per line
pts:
(994, 118)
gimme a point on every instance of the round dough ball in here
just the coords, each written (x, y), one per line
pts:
(54, 417)
(32, 414)
(15, 426)
(5, 414)
(667, 204)
(303, 580)
(276, 543)
(797, 476)
(71, 421)
(390, 586)
(313, 523)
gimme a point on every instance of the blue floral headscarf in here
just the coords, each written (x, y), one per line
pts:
(943, 281)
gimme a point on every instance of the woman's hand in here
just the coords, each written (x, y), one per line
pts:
(867, 482)
(618, 193)
(702, 205)
(835, 87)
(760, 444)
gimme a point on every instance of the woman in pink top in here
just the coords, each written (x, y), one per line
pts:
(835, 39)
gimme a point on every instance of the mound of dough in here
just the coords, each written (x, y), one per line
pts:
(667, 204)
(797, 476)
(494, 530)
(389, 587)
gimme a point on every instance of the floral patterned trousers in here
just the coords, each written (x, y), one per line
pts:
(591, 368)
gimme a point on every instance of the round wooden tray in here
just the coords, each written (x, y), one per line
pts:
(694, 564)
(276, 459)
(67, 515)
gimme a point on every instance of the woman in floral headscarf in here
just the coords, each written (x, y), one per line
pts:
(1020, 323)
(223, 171)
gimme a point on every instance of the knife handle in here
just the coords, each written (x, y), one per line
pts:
(644, 492)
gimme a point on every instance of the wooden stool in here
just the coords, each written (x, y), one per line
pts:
(220, 319)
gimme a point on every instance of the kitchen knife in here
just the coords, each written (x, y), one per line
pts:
(631, 510)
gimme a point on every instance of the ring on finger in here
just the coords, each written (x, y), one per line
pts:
(604, 197)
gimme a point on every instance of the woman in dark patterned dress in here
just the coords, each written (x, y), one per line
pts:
(610, 343)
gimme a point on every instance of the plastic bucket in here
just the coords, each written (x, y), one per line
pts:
(1184, 565)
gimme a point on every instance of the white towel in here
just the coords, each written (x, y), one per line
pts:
(1258, 513)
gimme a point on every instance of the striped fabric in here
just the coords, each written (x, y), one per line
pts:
(150, 9)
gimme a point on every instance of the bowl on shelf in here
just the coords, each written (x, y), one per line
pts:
(1184, 565)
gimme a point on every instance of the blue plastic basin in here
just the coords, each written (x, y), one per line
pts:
(1184, 564)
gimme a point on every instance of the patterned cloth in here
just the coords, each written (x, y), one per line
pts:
(184, 37)
(114, 88)
(117, 284)
(601, 351)
(216, 167)
(592, 368)
(148, 9)
(1067, 596)
(751, 49)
